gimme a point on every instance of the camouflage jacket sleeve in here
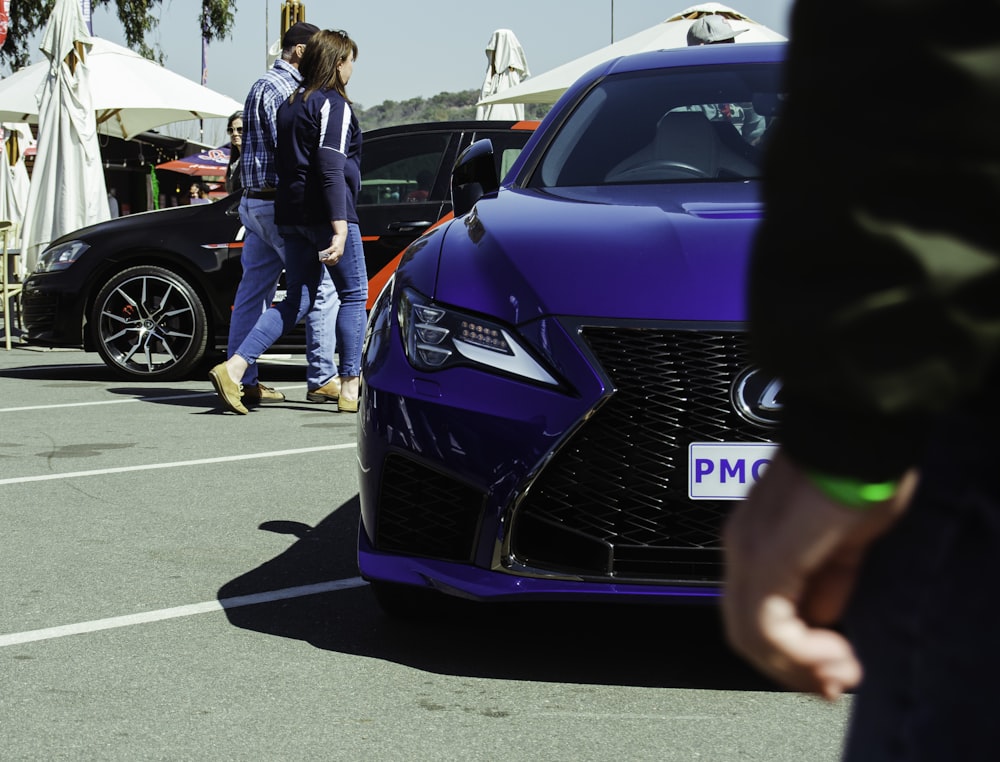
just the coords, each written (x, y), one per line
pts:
(875, 280)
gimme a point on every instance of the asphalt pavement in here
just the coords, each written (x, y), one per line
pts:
(180, 583)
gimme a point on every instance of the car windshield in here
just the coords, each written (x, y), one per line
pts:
(672, 125)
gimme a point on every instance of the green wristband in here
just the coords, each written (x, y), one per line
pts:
(853, 493)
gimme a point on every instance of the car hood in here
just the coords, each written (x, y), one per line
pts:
(144, 223)
(674, 252)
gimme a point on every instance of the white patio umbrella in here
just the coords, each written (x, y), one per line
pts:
(67, 183)
(131, 94)
(506, 67)
(14, 181)
(672, 33)
(6, 182)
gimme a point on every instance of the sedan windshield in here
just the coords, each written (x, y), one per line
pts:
(671, 125)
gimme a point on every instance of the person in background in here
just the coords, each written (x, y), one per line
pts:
(713, 29)
(867, 556)
(113, 207)
(319, 179)
(234, 128)
(263, 256)
(198, 194)
(425, 181)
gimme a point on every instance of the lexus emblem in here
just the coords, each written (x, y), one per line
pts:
(756, 397)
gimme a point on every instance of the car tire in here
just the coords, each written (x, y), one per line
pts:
(148, 323)
(411, 603)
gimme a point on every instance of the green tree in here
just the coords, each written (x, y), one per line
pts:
(136, 16)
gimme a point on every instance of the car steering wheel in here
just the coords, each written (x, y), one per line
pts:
(654, 171)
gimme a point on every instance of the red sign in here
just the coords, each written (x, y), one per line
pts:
(4, 20)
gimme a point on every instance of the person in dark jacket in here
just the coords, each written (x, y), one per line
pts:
(234, 128)
(318, 161)
(263, 257)
(867, 555)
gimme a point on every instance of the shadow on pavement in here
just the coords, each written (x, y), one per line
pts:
(82, 367)
(62, 374)
(75, 370)
(605, 644)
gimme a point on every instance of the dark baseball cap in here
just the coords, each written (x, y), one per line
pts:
(298, 34)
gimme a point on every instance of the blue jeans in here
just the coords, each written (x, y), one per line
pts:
(924, 618)
(303, 275)
(263, 260)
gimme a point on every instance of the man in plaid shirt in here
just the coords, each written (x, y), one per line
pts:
(263, 249)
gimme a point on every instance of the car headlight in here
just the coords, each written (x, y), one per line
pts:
(60, 256)
(437, 337)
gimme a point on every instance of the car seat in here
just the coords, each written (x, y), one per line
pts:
(687, 137)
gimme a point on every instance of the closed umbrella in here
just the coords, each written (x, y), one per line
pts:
(6, 182)
(672, 33)
(67, 183)
(15, 180)
(506, 67)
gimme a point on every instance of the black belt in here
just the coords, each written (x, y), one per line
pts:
(264, 193)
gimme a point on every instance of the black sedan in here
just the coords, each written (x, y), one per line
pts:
(152, 292)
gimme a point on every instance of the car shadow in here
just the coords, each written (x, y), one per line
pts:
(206, 402)
(75, 374)
(606, 644)
(57, 373)
(80, 367)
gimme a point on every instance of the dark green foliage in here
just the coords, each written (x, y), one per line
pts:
(138, 18)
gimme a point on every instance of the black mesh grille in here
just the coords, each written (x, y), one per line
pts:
(613, 501)
(424, 513)
(38, 313)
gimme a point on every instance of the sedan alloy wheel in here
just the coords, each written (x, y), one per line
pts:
(149, 323)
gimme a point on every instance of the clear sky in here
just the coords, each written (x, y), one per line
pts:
(411, 49)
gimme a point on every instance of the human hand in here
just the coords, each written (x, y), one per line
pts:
(332, 254)
(792, 559)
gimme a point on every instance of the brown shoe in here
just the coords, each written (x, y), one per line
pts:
(254, 394)
(228, 390)
(347, 406)
(328, 392)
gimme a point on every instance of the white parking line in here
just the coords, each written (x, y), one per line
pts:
(124, 401)
(176, 464)
(32, 636)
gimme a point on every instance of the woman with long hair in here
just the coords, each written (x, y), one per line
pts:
(234, 128)
(318, 160)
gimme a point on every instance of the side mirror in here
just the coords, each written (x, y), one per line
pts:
(474, 176)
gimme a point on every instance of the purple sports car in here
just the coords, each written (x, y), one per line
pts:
(557, 397)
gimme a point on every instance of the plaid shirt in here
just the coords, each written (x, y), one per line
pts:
(260, 130)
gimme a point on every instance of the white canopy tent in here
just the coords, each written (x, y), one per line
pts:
(130, 94)
(67, 183)
(672, 33)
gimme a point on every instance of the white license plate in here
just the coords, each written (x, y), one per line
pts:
(725, 470)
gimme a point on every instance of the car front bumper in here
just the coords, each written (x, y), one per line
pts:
(52, 307)
(489, 487)
(472, 583)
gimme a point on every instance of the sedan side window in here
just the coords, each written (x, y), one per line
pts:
(403, 169)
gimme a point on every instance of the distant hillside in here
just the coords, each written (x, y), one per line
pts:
(439, 108)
